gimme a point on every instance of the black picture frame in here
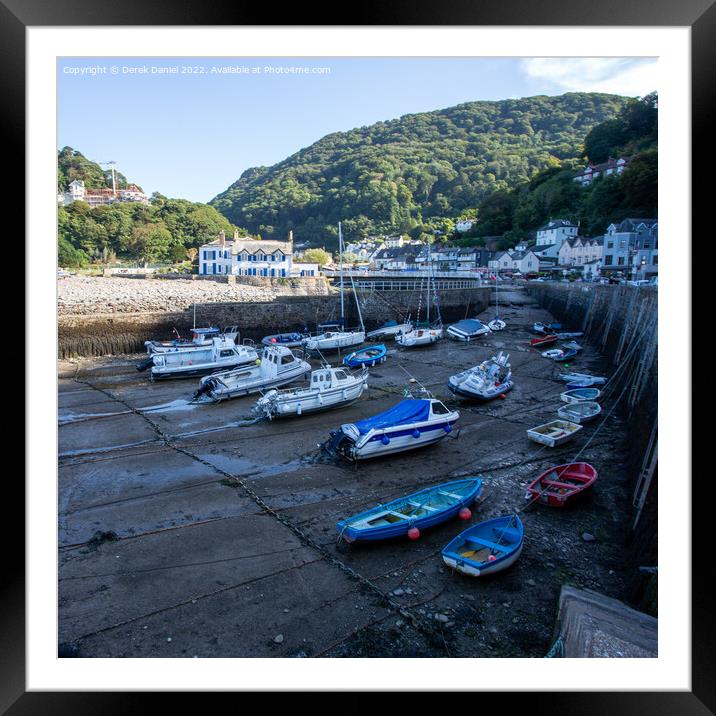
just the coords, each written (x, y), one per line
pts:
(699, 15)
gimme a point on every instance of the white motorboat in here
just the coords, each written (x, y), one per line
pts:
(390, 329)
(496, 324)
(278, 366)
(554, 433)
(328, 388)
(467, 330)
(485, 381)
(419, 336)
(222, 354)
(412, 423)
(200, 337)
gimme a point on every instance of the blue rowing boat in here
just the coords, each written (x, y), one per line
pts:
(368, 356)
(416, 511)
(486, 547)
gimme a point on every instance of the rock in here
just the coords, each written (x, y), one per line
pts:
(398, 592)
(278, 639)
(442, 618)
(588, 537)
(531, 582)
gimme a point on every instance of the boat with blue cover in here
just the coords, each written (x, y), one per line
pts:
(422, 509)
(412, 423)
(467, 330)
(293, 339)
(369, 356)
(487, 547)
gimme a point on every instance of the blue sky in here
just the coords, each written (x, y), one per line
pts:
(191, 134)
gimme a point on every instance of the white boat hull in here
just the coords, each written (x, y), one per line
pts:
(237, 383)
(334, 341)
(497, 324)
(421, 337)
(390, 331)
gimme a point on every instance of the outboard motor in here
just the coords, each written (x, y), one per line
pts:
(204, 389)
(144, 364)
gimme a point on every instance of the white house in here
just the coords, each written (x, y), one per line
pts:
(554, 233)
(76, 191)
(581, 250)
(608, 168)
(463, 225)
(522, 261)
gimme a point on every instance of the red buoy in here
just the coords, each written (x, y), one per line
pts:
(502, 396)
(464, 513)
(413, 533)
(273, 340)
(491, 558)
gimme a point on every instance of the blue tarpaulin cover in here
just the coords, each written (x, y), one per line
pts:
(407, 411)
(469, 325)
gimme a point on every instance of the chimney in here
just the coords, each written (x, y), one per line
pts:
(290, 237)
(222, 238)
(236, 234)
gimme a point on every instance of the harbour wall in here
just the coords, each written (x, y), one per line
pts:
(120, 333)
(622, 322)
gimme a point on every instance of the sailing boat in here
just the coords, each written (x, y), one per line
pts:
(496, 324)
(339, 338)
(423, 334)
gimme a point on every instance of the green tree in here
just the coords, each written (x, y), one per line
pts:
(317, 256)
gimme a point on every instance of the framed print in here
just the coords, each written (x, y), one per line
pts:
(355, 362)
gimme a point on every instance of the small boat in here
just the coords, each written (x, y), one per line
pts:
(419, 336)
(559, 355)
(580, 395)
(278, 366)
(558, 485)
(420, 510)
(412, 423)
(582, 380)
(581, 412)
(467, 330)
(496, 324)
(200, 338)
(544, 341)
(554, 433)
(539, 327)
(485, 381)
(289, 340)
(369, 356)
(328, 388)
(390, 329)
(222, 354)
(486, 547)
(572, 346)
(569, 335)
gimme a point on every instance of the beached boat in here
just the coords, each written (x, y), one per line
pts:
(419, 336)
(278, 366)
(294, 339)
(418, 510)
(410, 424)
(222, 354)
(558, 485)
(582, 379)
(539, 327)
(369, 356)
(390, 329)
(580, 395)
(554, 433)
(200, 338)
(543, 341)
(487, 547)
(328, 388)
(467, 330)
(485, 381)
(572, 346)
(559, 355)
(496, 324)
(576, 334)
(581, 412)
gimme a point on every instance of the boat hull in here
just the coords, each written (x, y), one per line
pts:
(225, 391)
(580, 395)
(482, 396)
(580, 412)
(471, 570)
(192, 371)
(554, 433)
(556, 486)
(334, 342)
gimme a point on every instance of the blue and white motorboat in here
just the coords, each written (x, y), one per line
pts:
(369, 356)
(412, 423)
(487, 547)
(485, 381)
(419, 510)
(467, 330)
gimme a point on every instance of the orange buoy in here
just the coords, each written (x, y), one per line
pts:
(464, 513)
(502, 396)
(413, 533)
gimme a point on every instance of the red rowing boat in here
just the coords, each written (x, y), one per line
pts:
(543, 340)
(558, 485)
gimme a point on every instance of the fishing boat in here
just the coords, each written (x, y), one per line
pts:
(467, 330)
(412, 423)
(543, 341)
(581, 412)
(485, 381)
(558, 485)
(369, 356)
(222, 354)
(487, 547)
(328, 388)
(580, 395)
(554, 433)
(294, 339)
(390, 329)
(419, 510)
(559, 354)
(496, 324)
(583, 379)
(278, 366)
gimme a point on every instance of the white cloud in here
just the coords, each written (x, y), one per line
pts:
(618, 75)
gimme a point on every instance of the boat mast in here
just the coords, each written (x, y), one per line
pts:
(355, 295)
(430, 271)
(340, 253)
(194, 326)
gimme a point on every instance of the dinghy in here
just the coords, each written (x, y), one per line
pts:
(419, 337)
(487, 547)
(569, 335)
(278, 366)
(222, 354)
(390, 329)
(572, 346)
(558, 485)
(485, 381)
(412, 423)
(418, 510)
(467, 330)
(538, 327)
(559, 355)
(580, 395)
(581, 412)
(496, 324)
(328, 388)
(289, 340)
(582, 379)
(544, 341)
(554, 433)
(368, 356)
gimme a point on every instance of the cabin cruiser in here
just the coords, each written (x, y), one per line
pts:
(485, 381)
(467, 330)
(200, 337)
(419, 336)
(278, 366)
(412, 423)
(328, 388)
(221, 354)
(390, 329)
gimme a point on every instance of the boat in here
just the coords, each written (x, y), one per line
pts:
(544, 328)
(576, 334)
(580, 395)
(582, 379)
(558, 485)
(200, 338)
(543, 341)
(581, 412)
(485, 381)
(423, 333)
(412, 423)
(539, 327)
(338, 338)
(419, 510)
(294, 339)
(390, 329)
(496, 324)
(278, 366)
(467, 330)
(554, 433)
(572, 346)
(369, 356)
(222, 354)
(487, 547)
(328, 388)
(559, 354)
